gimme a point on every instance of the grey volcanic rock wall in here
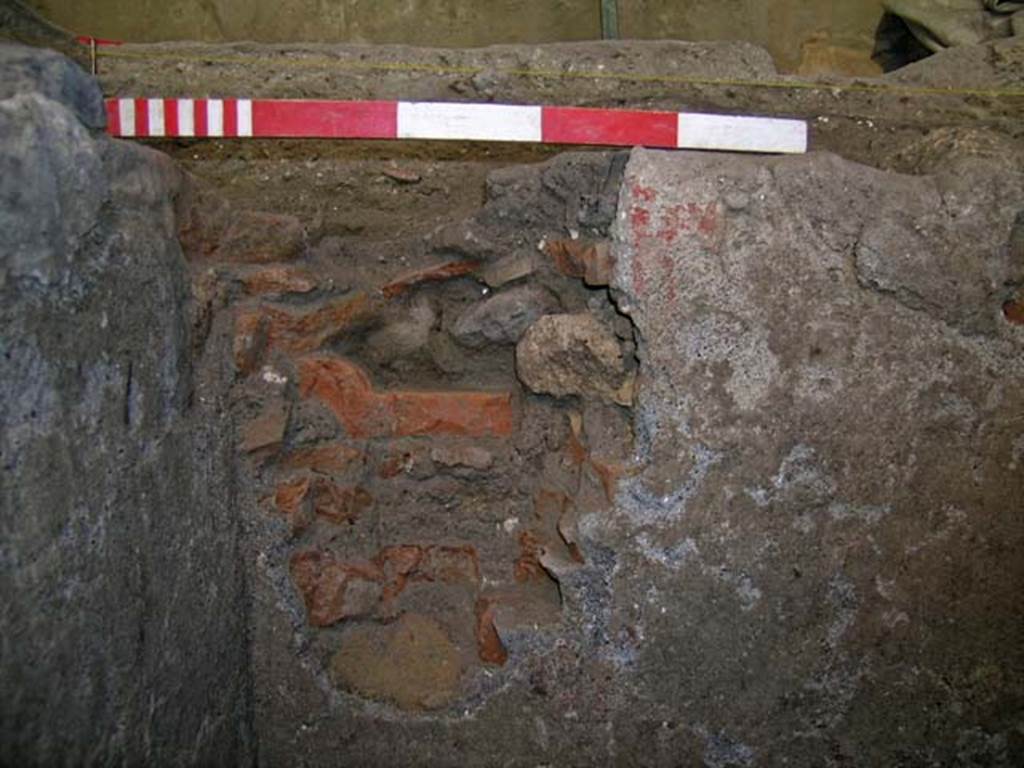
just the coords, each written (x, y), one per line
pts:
(122, 624)
(822, 550)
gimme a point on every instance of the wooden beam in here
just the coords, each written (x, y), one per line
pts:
(610, 19)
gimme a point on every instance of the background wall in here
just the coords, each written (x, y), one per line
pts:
(815, 35)
(807, 35)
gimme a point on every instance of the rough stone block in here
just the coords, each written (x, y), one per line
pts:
(574, 355)
(412, 663)
(55, 78)
(505, 316)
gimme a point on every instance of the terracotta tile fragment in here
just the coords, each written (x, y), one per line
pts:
(292, 499)
(334, 590)
(435, 274)
(346, 390)
(277, 279)
(290, 494)
(592, 262)
(1013, 311)
(266, 431)
(451, 565)
(474, 414)
(339, 504)
(490, 649)
(527, 566)
(295, 331)
(401, 560)
(261, 328)
(327, 458)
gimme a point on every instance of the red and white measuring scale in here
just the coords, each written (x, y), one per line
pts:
(279, 118)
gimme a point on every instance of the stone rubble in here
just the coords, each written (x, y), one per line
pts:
(564, 355)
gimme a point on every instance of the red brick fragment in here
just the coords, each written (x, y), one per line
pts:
(292, 500)
(339, 504)
(327, 458)
(290, 494)
(451, 565)
(474, 414)
(334, 590)
(277, 279)
(549, 544)
(436, 274)
(398, 563)
(1013, 311)
(609, 475)
(250, 342)
(302, 497)
(346, 390)
(395, 464)
(489, 647)
(527, 566)
(592, 262)
(575, 450)
(446, 564)
(400, 560)
(266, 327)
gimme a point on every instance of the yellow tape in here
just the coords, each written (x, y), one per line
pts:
(322, 63)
